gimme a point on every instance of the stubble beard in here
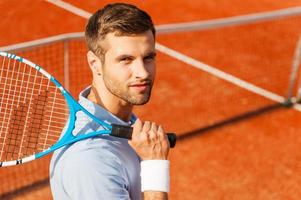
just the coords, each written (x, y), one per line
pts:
(134, 99)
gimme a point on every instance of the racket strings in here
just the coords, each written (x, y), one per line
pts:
(32, 113)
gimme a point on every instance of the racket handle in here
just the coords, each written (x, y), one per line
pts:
(126, 132)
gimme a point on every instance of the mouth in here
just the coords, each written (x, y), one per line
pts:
(141, 87)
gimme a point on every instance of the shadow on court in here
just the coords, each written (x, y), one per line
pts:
(232, 120)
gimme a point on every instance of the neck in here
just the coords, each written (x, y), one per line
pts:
(111, 103)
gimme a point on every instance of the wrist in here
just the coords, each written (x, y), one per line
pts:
(155, 175)
(154, 158)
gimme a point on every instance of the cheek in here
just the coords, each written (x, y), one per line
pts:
(152, 70)
(118, 74)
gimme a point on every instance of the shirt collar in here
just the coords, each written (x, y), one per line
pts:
(99, 111)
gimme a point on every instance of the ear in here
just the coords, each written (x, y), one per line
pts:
(95, 63)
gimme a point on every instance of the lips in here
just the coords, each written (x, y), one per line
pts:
(140, 86)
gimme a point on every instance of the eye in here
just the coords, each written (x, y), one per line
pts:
(150, 58)
(126, 60)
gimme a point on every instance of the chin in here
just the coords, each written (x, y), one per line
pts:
(139, 101)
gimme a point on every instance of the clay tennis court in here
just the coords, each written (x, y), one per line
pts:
(233, 143)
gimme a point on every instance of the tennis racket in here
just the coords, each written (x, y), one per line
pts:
(34, 109)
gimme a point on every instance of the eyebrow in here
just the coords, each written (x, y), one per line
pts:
(124, 56)
(152, 54)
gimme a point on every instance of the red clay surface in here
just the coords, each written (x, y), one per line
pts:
(254, 159)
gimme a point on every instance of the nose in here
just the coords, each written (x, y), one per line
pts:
(141, 70)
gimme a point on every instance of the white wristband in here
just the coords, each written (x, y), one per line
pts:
(155, 175)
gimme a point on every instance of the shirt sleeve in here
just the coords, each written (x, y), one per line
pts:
(92, 177)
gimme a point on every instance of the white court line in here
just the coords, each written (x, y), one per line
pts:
(70, 8)
(195, 63)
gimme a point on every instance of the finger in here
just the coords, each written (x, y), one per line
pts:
(154, 127)
(137, 126)
(146, 127)
(138, 123)
(153, 131)
(162, 135)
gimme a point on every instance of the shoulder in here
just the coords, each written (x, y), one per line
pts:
(94, 154)
(92, 164)
(87, 153)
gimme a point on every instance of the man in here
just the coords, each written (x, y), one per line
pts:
(121, 41)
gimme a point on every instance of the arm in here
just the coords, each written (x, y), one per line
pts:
(151, 143)
(153, 195)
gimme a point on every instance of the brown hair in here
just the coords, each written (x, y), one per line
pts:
(124, 19)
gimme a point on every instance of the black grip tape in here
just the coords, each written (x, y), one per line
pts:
(172, 139)
(122, 131)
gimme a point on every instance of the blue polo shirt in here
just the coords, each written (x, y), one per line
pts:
(103, 167)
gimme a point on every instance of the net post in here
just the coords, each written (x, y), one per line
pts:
(294, 73)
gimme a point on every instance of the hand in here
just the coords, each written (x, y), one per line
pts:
(149, 141)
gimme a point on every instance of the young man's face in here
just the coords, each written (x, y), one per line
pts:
(129, 66)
